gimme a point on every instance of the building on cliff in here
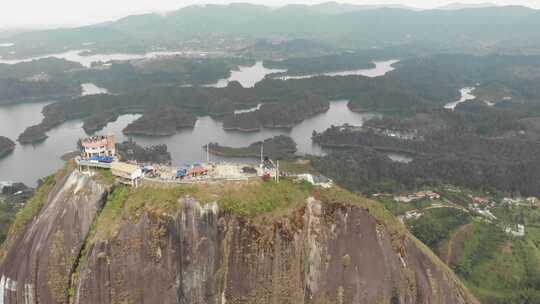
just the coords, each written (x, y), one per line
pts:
(99, 146)
(127, 173)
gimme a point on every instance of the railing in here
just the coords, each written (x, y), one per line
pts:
(86, 163)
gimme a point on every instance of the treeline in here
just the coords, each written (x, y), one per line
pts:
(52, 78)
(123, 77)
(161, 121)
(12, 199)
(131, 151)
(15, 91)
(37, 80)
(285, 114)
(450, 156)
(342, 61)
(495, 76)
(50, 66)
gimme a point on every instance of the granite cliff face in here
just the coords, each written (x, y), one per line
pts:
(323, 250)
(37, 261)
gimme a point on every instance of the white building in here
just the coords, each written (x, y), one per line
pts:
(317, 180)
(519, 232)
(99, 146)
(127, 173)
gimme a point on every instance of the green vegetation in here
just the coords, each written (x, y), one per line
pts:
(37, 80)
(161, 121)
(33, 206)
(36, 203)
(125, 77)
(249, 200)
(104, 177)
(130, 150)
(52, 67)
(437, 224)
(496, 266)
(6, 146)
(399, 208)
(341, 196)
(265, 198)
(500, 269)
(332, 63)
(111, 212)
(454, 155)
(298, 166)
(12, 199)
(277, 147)
(14, 90)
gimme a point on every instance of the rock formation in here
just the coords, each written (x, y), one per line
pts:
(328, 249)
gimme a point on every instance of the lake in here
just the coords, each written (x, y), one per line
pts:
(30, 162)
(75, 55)
(248, 76)
(466, 95)
(380, 69)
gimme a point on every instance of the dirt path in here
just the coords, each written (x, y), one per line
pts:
(451, 250)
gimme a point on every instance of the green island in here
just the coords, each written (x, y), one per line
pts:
(6, 146)
(277, 147)
(161, 121)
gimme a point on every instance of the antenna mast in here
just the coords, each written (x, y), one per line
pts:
(262, 152)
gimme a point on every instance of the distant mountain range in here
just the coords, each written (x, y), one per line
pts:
(459, 6)
(486, 28)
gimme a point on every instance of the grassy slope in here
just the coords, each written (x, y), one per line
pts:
(257, 201)
(499, 268)
(34, 205)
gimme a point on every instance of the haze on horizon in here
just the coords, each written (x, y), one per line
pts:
(31, 14)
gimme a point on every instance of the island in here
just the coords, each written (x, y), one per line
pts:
(6, 146)
(169, 108)
(33, 134)
(277, 147)
(98, 121)
(163, 121)
(284, 114)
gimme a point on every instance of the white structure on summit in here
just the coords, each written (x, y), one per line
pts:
(99, 146)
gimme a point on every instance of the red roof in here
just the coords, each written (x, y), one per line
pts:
(197, 170)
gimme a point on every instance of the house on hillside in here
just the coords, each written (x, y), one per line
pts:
(482, 201)
(197, 171)
(316, 180)
(127, 173)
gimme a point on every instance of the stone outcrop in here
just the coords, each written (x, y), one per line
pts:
(320, 253)
(38, 264)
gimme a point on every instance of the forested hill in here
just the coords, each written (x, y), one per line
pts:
(483, 29)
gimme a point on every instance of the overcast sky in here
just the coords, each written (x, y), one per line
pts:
(47, 13)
